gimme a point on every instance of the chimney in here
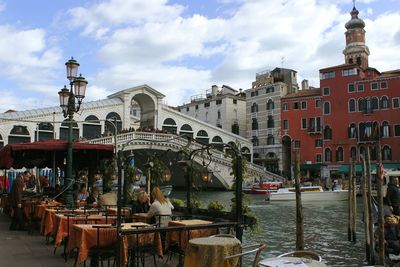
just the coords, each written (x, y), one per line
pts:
(214, 90)
(304, 84)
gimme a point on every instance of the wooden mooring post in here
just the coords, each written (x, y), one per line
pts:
(381, 229)
(366, 210)
(369, 199)
(299, 207)
(350, 206)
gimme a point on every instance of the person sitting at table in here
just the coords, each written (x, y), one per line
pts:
(82, 193)
(31, 184)
(160, 206)
(141, 205)
(93, 196)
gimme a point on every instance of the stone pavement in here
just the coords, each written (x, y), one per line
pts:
(21, 249)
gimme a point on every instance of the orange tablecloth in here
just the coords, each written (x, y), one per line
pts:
(182, 237)
(42, 206)
(61, 225)
(124, 211)
(211, 251)
(48, 221)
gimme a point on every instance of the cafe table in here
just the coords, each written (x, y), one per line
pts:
(290, 262)
(211, 251)
(182, 237)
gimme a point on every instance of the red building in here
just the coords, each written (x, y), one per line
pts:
(360, 106)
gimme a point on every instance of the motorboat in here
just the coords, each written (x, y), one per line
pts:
(264, 188)
(308, 193)
(298, 258)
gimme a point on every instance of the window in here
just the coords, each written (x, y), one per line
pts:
(303, 123)
(327, 132)
(372, 152)
(326, 91)
(254, 140)
(286, 125)
(361, 105)
(349, 72)
(365, 131)
(384, 85)
(254, 107)
(234, 101)
(270, 89)
(295, 105)
(328, 154)
(218, 102)
(385, 129)
(397, 130)
(396, 102)
(374, 103)
(318, 158)
(311, 125)
(318, 103)
(207, 104)
(384, 102)
(318, 142)
(327, 108)
(254, 93)
(197, 107)
(374, 86)
(319, 125)
(254, 124)
(386, 153)
(235, 128)
(270, 104)
(353, 153)
(363, 152)
(187, 109)
(219, 114)
(352, 105)
(297, 143)
(270, 140)
(285, 106)
(360, 87)
(303, 105)
(339, 154)
(270, 122)
(350, 88)
(352, 131)
(327, 75)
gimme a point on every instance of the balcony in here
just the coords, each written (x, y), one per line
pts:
(314, 130)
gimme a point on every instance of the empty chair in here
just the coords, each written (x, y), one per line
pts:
(246, 250)
(303, 254)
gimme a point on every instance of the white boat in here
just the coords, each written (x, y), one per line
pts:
(308, 193)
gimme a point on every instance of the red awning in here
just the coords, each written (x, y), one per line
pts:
(40, 154)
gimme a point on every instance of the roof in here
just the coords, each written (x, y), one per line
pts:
(305, 93)
(50, 110)
(143, 86)
(338, 67)
(390, 73)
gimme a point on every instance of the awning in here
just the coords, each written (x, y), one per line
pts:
(311, 167)
(345, 167)
(40, 154)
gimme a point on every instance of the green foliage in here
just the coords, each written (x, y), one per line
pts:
(195, 202)
(177, 202)
(109, 170)
(157, 170)
(215, 206)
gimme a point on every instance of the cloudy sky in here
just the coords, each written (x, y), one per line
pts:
(178, 47)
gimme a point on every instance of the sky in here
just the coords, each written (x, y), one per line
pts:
(178, 47)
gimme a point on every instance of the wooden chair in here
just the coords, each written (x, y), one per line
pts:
(303, 254)
(246, 250)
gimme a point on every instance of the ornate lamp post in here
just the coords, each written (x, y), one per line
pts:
(69, 107)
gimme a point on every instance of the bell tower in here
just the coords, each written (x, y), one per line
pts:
(356, 51)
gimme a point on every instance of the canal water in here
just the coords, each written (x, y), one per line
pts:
(325, 227)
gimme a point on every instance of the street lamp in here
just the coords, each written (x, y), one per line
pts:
(69, 107)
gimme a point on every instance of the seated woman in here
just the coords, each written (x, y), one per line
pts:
(141, 205)
(160, 206)
(93, 197)
(82, 193)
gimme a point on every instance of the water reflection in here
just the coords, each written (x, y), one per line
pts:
(325, 226)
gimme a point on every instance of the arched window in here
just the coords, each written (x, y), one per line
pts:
(327, 132)
(254, 124)
(270, 140)
(187, 130)
(385, 129)
(384, 102)
(353, 153)
(339, 154)
(19, 134)
(352, 131)
(352, 105)
(109, 128)
(270, 122)
(374, 103)
(44, 131)
(235, 128)
(217, 142)
(327, 108)
(386, 153)
(254, 107)
(169, 125)
(361, 105)
(372, 152)
(363, 152)
(64, 130)
(270, 104)
(202, 137)
(328, 154)
(92, 127)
